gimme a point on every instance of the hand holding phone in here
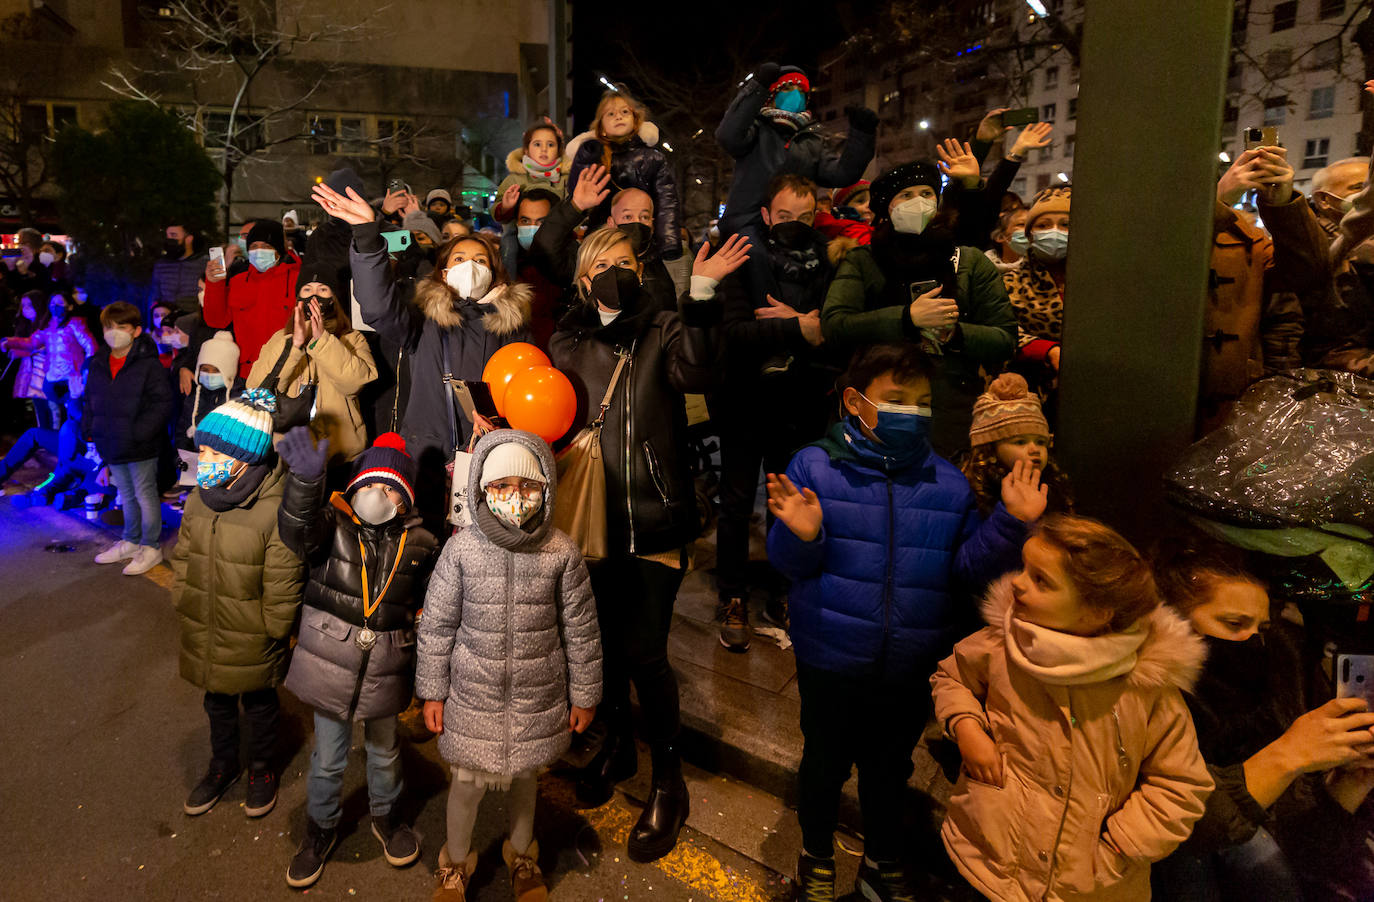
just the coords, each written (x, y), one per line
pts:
(1023, 116)
(214, 269)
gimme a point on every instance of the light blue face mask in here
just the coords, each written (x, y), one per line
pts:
(1019, 242)
(1050, 244)
(212, 381)
(525, 235)
(793, 101)
(211, 474)
(262, 259)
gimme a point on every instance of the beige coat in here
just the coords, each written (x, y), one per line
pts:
(1102, 773)
(339, 366)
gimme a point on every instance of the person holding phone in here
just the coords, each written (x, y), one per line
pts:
(1289, 818)
(254, 302)
(964, 319)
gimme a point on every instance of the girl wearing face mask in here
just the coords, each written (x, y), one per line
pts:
(650, 505)
(1010, 240)
(1036, 284)
(68, 344)
(28, 347)
(545, 678)
(461, 314)
(253, 302)
(215, 366)
(622, 142)
(318, 346)
(1287, 820)
(913, 283)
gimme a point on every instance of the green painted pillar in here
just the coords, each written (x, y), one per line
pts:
(1152, 82)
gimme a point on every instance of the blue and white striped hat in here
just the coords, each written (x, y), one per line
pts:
(241, 428)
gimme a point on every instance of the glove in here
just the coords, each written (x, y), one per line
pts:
(767, 73)
(862, 119)
(303, 457)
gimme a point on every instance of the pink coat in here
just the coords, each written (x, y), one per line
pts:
(1102, 773)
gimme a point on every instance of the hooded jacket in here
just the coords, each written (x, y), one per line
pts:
(126, 415)
(509, 637)
(635, 163)
(1101, 774)
(328, 670)
(472, 333)
(254, 304)
(515, 165)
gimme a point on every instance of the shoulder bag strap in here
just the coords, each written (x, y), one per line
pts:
(449, 397)
(610, 389)
(274, 377)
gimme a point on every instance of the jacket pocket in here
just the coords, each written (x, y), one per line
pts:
(656, 473)
(985, 816)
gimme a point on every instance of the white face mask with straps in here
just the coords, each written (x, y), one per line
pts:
(912, 216)
(372, 505)
(469, 278)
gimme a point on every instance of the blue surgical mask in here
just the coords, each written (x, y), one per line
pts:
(525, 235)
(1050, 244)
(1019, 242)
(211, 474)
(212, 381)
(792, 101)
(242, 243)
(262, 259)
(900, 425)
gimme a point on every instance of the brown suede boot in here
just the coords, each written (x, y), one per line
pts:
(453, 878)
(526, 880)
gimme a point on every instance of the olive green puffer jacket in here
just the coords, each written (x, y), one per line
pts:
(236, 592)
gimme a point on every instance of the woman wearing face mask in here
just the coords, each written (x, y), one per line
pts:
(650, 505)
(318, 346)
(255, 301)
(913, 283)
(1036, 284)
(1288, 819)
(461, 314)
(68, 345)
(31, 352)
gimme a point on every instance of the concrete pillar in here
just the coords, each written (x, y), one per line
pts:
(560, 65)
(1149, 117)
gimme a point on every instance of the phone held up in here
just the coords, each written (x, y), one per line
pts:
(1267, 136)
(1022, 117)
(1355, 677)
(217, 255)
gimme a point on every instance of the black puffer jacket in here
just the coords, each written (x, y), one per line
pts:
(635, 163)
(126, 415)
(650, 499)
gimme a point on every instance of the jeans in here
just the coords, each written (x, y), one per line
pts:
(261, 708)
(848, 721)
(329, 758)
(1254, 871)
(56, 394)
(137, 484)
(25, 446)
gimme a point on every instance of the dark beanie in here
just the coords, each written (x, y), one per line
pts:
(387, 462)
(343, 178)
(318, 271)
(891, 183)
(268, 230)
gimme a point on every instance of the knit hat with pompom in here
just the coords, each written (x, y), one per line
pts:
(1007, 409)
(241, 428)
(387, 462)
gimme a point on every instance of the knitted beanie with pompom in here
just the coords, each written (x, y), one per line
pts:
(1007, 409)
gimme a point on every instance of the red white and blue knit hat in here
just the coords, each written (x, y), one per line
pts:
(387, 462)
(241, 428)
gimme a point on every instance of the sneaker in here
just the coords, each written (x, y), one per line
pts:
(733, 614)
(308, 863)
(209, 790)
(453, 878)
(526, 880)
(400, 845)
(815, 879)
(883, 881)
(146, 558)
(119, 551)
(262, 792)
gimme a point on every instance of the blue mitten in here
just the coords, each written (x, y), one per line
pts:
(303, 457)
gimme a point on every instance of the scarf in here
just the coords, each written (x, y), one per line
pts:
(502, 534)
(797, 121)
(1063, 659)
(553, 172)
(227, 497)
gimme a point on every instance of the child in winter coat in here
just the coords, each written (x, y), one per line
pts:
(537, 163)
(369, 562)
(236, 592)
(509, 654)
(623, 143)
(1009, 426)
(1080, 761)
(216, 366)
(881, 538)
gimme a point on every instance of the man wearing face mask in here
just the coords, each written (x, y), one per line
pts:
(177, 273)
(255, 302)
(914, 283)
(775, 395)
(531, 210)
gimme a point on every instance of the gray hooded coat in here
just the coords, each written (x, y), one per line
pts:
(509, 634)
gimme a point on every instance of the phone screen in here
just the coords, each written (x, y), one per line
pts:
(1355, 677)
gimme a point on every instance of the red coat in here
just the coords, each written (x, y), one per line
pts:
(254, 304)
(834, 227)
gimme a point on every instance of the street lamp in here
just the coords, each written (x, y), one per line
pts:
(609, 86)
(1038, 7)
(668, 147)
(923, 125)
(1064, 177)
(1224, 157)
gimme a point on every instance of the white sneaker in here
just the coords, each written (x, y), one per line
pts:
(119, 551)
(146, 558)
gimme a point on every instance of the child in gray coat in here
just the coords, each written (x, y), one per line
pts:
(509, 658)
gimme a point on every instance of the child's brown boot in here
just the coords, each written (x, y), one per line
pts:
(526, 880)
(453, 878)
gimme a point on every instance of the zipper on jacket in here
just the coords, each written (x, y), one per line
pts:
(510, 654)
(1064, 812)
(210, 598)
(629, 443)
(888, 577)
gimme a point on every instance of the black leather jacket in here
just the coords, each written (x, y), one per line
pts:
(650, 498)
(326, 538)
(635, 164)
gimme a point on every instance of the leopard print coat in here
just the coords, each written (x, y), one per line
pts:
(1036, 299)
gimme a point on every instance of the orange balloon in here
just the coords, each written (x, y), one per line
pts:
(541, 400)
(505, 363)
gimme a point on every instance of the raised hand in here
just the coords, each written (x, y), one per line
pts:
(1022, 494)
(411, 204)
(351, 208)
(930, 311)
(798, 511)
(511, 199)
(301, 455)
(1336, 734)
(394, 200)
(958, 162)
(316, 320)
(991, 127)
(186, 380)
(299, 326)
(1276, 174)
(982, 761)
(729, 258)
(1032, 137)
(214, 269)
(591, 188)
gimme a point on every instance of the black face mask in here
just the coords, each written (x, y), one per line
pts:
(1238, 663)
(613, 286)
(641, 237)
(173, 248)
(328, 311)
(793, 235)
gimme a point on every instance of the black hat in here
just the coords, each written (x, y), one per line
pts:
(341, 179)
(270, 231)
(891, 183)
(317, 271)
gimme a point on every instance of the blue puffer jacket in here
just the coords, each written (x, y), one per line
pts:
(875, 594)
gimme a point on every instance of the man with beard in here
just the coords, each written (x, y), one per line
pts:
(176, 277)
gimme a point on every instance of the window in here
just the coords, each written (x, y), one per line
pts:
(1330, 9)
(1047, 113)
(1285, 16)
(1324, 55)
(1042, 181)
(1018, 187)
(1314, 153)
(45, 120)
(1276, 110)
(338, 134)
(396, 134)
(1277, 62)
(1046, 154)
(1052, 77)
(1073, 108)
(1323, 103)
(1229, 117)
(214, 131)
(1068, 145)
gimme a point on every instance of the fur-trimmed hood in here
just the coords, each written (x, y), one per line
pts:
(505, 309)
(648, 133)
(515, 161)
(838, 248)
(1171, 654)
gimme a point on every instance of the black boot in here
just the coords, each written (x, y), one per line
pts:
(665, 811)
(617, 760)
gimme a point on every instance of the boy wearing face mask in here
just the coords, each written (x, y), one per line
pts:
(256, 301)
(236, 592)
(369, 561)
(509, 654)
(882, 540)
(128, 401)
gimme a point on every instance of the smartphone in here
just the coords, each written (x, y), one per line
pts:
(217, 255)
(1024, 116)
(396, 185)
(1355, 677)
(923, 287)
(475, 397)
(396, 241)
(1267, 136)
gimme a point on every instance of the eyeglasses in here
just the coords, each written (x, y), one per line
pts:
(528, 489)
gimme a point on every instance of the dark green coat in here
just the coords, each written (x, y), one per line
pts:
(858, 313)
(236, 592)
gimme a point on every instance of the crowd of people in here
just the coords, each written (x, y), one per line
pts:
(882, 356)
